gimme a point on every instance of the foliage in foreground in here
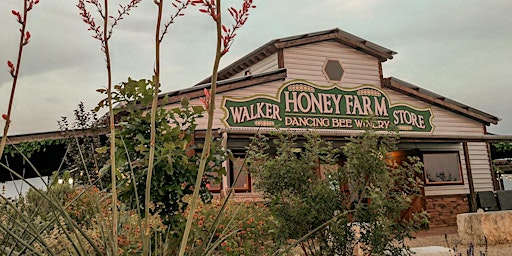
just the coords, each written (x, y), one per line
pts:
(359, 206)
(176, 160)
(244, 228)
(81, 229)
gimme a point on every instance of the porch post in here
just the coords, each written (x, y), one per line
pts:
(472, 196)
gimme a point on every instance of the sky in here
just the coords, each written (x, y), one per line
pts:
(459, 49)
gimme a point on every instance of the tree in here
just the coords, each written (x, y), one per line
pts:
(176, 153)
(355, 207)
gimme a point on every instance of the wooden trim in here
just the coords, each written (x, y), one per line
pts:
(306, 40)
(197, 91)
(381, 75)
(250, 59)
(55, 135)
(404, 137)
(338, 38)
(280, 58)
(472, 195)
(440, 102)
(442, 183)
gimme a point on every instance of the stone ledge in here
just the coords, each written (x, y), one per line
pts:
(496, 227)
(431, 251)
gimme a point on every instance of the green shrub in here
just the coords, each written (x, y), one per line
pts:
(358, 206)
(243, 228)
(176, 160)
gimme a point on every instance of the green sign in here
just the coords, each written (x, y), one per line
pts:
(302, 104)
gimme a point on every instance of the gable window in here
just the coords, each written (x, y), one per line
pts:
(442, 168)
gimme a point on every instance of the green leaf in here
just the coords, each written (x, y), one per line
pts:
(141, 148)
(184, 102)
(101, 150)
(198, 109)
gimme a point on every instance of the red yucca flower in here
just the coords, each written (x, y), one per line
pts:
(27, 37)
(11, 67)
(17, 14)
(4, 116)
(206, 100)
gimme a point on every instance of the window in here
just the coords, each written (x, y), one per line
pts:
(442, 168)
(213, 185)
(243, 183)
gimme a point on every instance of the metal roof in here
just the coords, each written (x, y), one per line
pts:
(439, 100)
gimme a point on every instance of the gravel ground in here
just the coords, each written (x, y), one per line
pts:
(436, 236)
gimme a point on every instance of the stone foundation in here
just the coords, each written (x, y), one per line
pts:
(476, 227)
(443, 210)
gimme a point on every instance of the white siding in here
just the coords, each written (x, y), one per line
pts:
(306, 62)
(265, 65)
(480, 169)
(445, 121)
(480, 166)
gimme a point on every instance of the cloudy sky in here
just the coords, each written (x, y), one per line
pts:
(459, 49)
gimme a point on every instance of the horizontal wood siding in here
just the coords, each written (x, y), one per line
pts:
(445, 121)
(265, 65)
(438, 190)
(480, 166)
(306, 62)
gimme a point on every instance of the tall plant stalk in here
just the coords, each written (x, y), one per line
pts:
(156, 86)
(208, 137)
(112, 129)
(15, 71)
(224, 42)
(103, 34)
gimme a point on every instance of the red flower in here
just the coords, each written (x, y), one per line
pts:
(4, 116)
(11, 67)
(206, 99)
(27, 37)
(18, 16)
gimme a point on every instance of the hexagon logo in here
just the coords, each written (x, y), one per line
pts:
(332, 70)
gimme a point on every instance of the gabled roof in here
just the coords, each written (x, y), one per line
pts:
(224, 85)
(273, 46)
(438, 100)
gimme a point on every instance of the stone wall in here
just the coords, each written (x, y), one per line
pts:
(443, 210)
(485, 227)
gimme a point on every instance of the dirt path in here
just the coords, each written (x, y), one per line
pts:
(448, 237)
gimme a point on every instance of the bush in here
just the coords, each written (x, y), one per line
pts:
(176, 159)
(356, 206)
(243, 228)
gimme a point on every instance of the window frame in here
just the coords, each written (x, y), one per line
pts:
(231, 176)
(460, 181)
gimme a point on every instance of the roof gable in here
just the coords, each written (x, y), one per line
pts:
(274, 46)
(438, 100)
